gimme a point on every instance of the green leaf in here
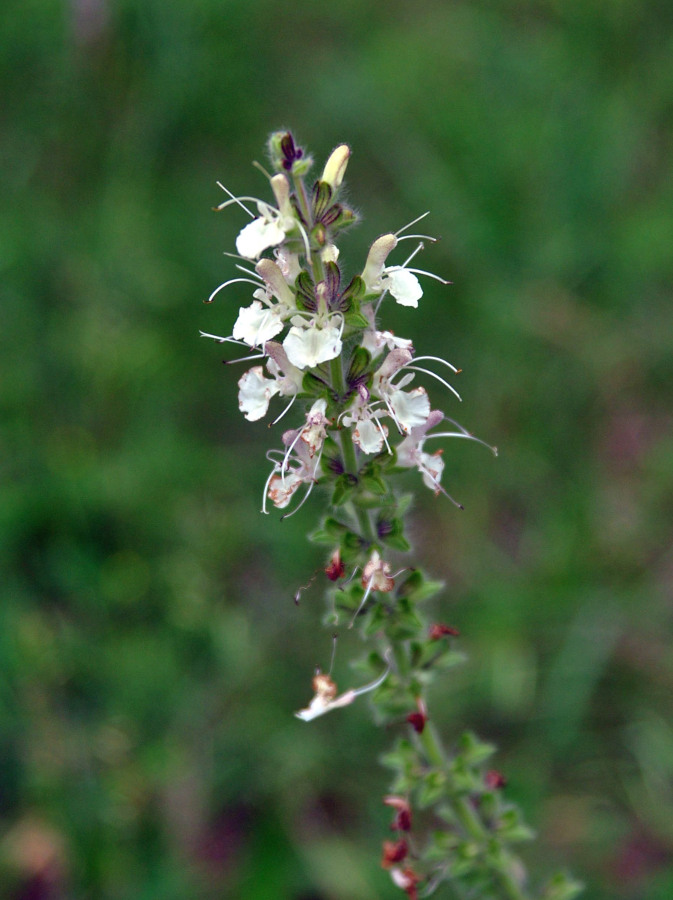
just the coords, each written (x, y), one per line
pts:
(344, 489)
(374, 484)
(474, 751)
(432, 788)
(418, 588)
(562, 887)
(354, 319)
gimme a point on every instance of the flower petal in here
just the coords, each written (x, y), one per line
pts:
(254, 393)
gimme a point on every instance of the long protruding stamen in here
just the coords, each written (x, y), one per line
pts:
(430, 275)
(438, 377)
(439, 487)
(418, 237)
(278, 418)
(250, 272)
(286, 458)
(466, 435)
(438, 359)
(235, 199)
(364, 600)
(274, 471)
(372, 684)
(408, 260)
(307, 494)
(227, 283)
(413, 222)
(383, 434)
(230, 362)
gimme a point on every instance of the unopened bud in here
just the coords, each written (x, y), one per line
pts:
(335, 167)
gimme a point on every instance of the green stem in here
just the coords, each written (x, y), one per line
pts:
(349, 454)
(468, 816)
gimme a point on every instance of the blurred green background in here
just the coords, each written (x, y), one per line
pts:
(151, 655)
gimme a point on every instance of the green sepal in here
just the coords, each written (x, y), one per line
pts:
(345, 219)
(464, 778)
(432, 788)
(428, 654)
(392, 700)
(418, 588)
(314, 386)
(322, 198)
(355, 290)
(355, 320)
(562, 887)
(360, 362)
(474, 751)
(391, 532)
(374, 484)
(305, 292)
(352, 542)
(402, 758)
(441, 845)
(348, 599)
(512, 828)
(404, 622)
(345, 486)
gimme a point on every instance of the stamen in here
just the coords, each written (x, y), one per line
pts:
(408, 260)
(418, 237)
(235, 199)
(373, 684)
(438, 377)
(278, 418)
(287, 455)
(227, 283)
(430, 275)
(393, 416)
(334, 644)
(274, 471)
(438, 359)
(305, 587)
(230, 362)
(383, 434)
(364, 600)
(466, 435)
(438, 486)
(261, 168)
(223, 340)
(250, 272)
(423, 272)
(413, 222)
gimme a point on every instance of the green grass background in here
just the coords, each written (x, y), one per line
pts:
(150, 652)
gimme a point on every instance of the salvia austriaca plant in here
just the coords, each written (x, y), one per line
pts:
(362, 418)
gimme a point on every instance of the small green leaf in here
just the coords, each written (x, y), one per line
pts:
(472, 750)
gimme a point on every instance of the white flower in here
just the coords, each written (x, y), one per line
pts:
(410, 453)
(309, 344)
(260, 234)
(399, 281)
(256, 324)
(376, 574)
(376, 341)
(325, 698)
(254, 393)
(369, 434)
(402, 285)
(409, 408)
(281, 489)
(299, 463)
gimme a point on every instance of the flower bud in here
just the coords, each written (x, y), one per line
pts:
(335, 167)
